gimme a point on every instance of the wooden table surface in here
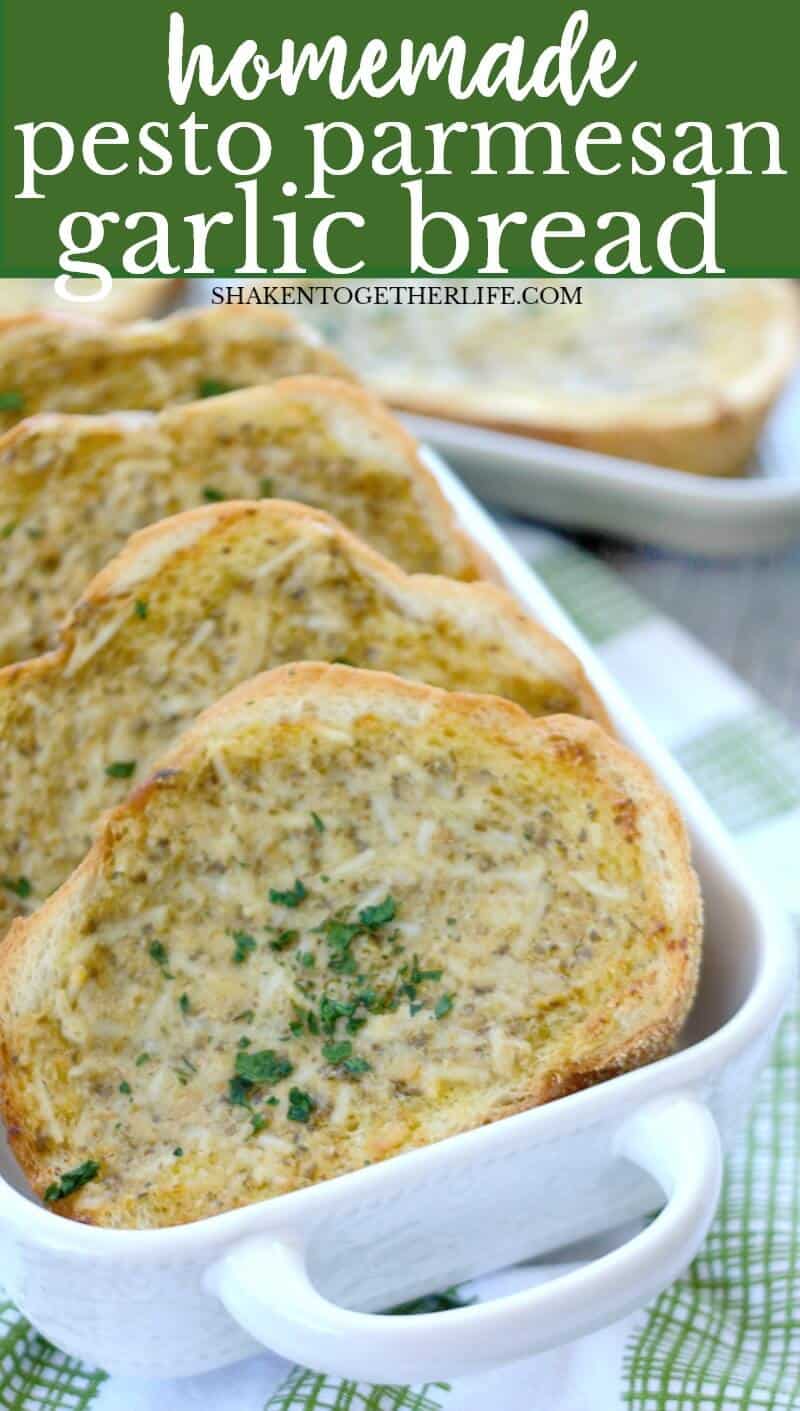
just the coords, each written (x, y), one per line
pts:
(747, 610)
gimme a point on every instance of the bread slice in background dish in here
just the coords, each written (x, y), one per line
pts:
(52, 362)
(678, 373)
(127, 298)
(73, 488)
(347, 916)
(198, 603)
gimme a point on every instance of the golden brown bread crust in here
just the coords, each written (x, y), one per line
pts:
(719, 444)
(198, 602)
(56, 362)
(430, 588)
(579, 750)
(73, 488)
(706, 424)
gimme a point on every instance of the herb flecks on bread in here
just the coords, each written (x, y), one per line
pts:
(348, 915)
(195, 605)
(73, 488)
(54, 362)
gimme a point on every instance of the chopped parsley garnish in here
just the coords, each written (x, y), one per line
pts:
(125, 1088)
(254, 1070)
(292, 898)
(337, 1053)
(307, 959)
(443, 1006)
(266, 487)
(184, 1073)
(246, 1017)
(330, 1010)
(301, 1105)
(72, 1181)
(178, 1151)
(185, 1004)
(211, 495)
(141, 608)
(20, 886)
(419, 976)
(244, 1042)
(266, 1066)
(284, 940)
(342, 1054)
(239, 1092)
(243, 945)
(143, 1058)
(340, 936)
(340, 933)
(373, 916)
(158, 952)
(413, 977)
(11, 401)
(8, 529)
(121, 769)
(317, 821)
(214, 387)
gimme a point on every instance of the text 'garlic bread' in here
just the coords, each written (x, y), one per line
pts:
(195, 605)
(52, 362)
(74, 488)
(348, 915)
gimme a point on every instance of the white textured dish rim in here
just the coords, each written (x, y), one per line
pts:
(714, 515)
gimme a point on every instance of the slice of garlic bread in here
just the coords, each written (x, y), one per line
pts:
(127, 298)
(676, 372)
(348, 915)
(73, 488)
(195, 605)
(54, 362)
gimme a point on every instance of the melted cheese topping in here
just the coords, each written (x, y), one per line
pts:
(652, 346)
(260, 588)
(71, 493)
(77, 366)
(529, 934)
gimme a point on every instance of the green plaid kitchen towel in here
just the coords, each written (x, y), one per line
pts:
(727, 1335)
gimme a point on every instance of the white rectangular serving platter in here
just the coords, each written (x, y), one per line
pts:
(671, 509)
(306, 1274)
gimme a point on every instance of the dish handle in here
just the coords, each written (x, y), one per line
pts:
(675, 1140)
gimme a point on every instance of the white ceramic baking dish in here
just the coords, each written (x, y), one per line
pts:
(697, 514)
(305, 1274)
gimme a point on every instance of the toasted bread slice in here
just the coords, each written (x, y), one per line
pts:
(72, 489)
(52, 362)
(677, 373)
(348, 915)
(127, 298)
(195, 605)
